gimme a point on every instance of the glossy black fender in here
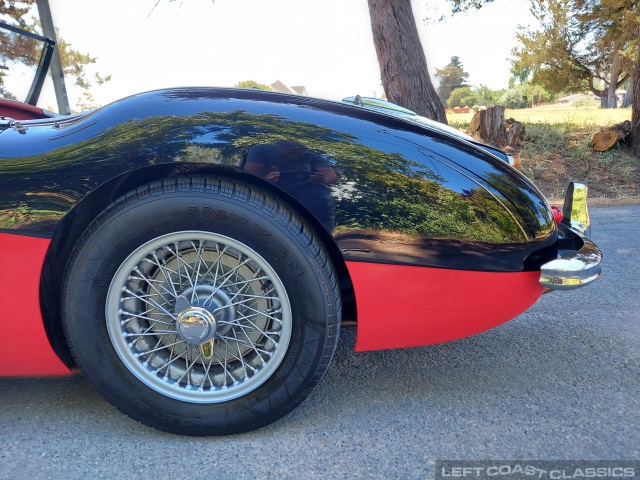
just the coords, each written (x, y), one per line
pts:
(403, 193)
(48, 166)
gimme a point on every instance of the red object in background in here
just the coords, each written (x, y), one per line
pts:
(20, 111)
(24, 346)
(557, 214)
(407, 306)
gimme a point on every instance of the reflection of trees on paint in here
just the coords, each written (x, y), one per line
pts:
(525, 199)
(377, 190)
(427, 208)
(24, 215)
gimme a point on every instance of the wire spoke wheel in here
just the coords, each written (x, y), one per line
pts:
(250, 324)
(201, 306)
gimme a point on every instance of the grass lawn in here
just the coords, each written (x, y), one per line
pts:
(556, 151)
(569, 116)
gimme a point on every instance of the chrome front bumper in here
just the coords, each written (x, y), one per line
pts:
(579, 259)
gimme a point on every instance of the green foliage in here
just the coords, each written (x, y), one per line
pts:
(4, 93)
(488, 97)
(514, 98)
(463, 97)
(467, 96)
(74, 63)
(450, 77)
(24, 215)
(577, 43)
(16, 10)
(524, 95)
(519, 75)
(253, 84)
(464, 5)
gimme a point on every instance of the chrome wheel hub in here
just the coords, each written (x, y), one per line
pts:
(215, 301)
(196, 325)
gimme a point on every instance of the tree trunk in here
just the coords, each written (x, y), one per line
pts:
(634, 135)
(602, 94)
(612, 100)
(628, 98)
(403, 65)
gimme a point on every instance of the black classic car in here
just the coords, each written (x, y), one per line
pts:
(195, 251)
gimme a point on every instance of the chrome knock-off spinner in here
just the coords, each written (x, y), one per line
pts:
(195, 325)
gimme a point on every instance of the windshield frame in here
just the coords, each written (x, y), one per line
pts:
(48, 46)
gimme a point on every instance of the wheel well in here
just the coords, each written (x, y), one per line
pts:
(72, 226)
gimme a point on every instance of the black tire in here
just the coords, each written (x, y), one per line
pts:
(254, 275)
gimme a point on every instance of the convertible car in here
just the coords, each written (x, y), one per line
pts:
(195, 251)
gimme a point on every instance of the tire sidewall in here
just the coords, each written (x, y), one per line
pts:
(122, 231)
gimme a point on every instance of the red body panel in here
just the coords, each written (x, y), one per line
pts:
(24, 346)
(405, 306)
(398, 306)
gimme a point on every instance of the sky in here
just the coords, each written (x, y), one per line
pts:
(327, 46)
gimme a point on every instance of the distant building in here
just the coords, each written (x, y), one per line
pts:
(279, 86)
(578, 97)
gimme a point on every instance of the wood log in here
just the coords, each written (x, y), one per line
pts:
(608, 137)
(515, 132)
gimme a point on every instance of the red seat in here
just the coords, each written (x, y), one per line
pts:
(20, 111)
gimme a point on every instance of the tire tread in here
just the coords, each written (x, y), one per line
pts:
(252, 197)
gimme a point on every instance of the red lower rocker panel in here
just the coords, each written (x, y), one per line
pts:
(24, 347)
(405, 306)
(398, 306)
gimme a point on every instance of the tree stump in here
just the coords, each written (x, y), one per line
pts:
(490, 126)
(608, 137)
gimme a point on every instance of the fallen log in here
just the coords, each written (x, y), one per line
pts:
(608, 137)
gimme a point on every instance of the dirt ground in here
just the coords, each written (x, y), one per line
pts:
(613, 177)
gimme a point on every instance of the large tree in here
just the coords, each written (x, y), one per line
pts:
(615, 22)
(403, 65)
(635, 110)
(450, 77)
(581, 44)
